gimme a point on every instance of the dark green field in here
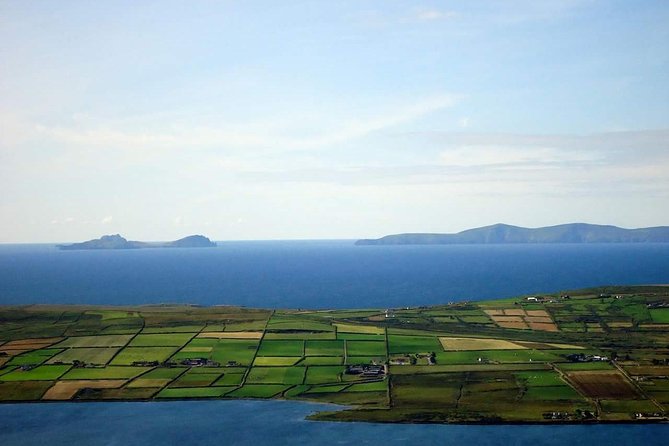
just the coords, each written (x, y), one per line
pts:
(596, 355)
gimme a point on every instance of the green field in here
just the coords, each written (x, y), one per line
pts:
(131, 354)
(281, 348)
(34, 357)
(276, 360)
(195, 392)
(193, 378)
(413, 344)
(276, 375)
(443, 364)
(365, 348)
(40, 373)
(92, 355)
(109, 372)
(161, 340)
(96, 341)
(324, 348)
(324, 374)
(258, 391)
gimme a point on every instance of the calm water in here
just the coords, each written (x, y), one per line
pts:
(257, 423)
(318, 274)
(301, 274)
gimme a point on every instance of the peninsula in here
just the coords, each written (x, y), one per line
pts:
(594, 355)
(117, 242)
(507, 234)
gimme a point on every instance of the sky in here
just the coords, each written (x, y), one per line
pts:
(320, 120)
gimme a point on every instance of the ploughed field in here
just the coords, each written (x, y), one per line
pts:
(590, 355)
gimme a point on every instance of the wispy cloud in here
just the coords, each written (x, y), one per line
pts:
(287, 134)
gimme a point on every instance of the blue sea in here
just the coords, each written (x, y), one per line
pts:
(308, 274)
(319, 274)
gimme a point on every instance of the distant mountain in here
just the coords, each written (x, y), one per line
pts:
(117, 242)
(501, 233)
(192, 241)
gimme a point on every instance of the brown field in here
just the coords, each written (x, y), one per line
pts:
(13, 352)
(30, 344)
(603, 384)
(539, 319)
(3, 360)
(514, 312)
(538, 313)
(463, 344)
(657, 370)
(231, 334)
(507, 319)
(510, 322)
(515, 325)
(542, 326)
(619, 324)
(65, 390)
(655, 326)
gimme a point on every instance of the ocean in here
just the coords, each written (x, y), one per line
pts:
(309, 274)
(319, 274)
(259, 423)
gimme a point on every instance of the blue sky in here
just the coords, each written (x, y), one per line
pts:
(314, 119)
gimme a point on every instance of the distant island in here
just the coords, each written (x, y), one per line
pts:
(505, 234)
(116, 241)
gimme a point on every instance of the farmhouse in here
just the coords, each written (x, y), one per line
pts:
(366, 370)
(199, 362)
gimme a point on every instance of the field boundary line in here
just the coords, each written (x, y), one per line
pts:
(637, 386)
(255, 354)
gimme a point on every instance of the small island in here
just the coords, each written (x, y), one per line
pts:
(584, 356)
(507, 234)
(116, 241)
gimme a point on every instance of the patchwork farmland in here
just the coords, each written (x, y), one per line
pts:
(589, 355)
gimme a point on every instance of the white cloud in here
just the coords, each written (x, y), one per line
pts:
(106, 220)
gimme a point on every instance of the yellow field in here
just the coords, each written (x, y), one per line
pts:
(231, 334)
(146, 382)
(366, 329)
(65, 390)
(464, 344)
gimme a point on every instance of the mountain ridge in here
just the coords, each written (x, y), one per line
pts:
(501, 233)
(116, 241)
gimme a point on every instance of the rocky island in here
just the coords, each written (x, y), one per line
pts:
(116, 241)
(504, 234)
